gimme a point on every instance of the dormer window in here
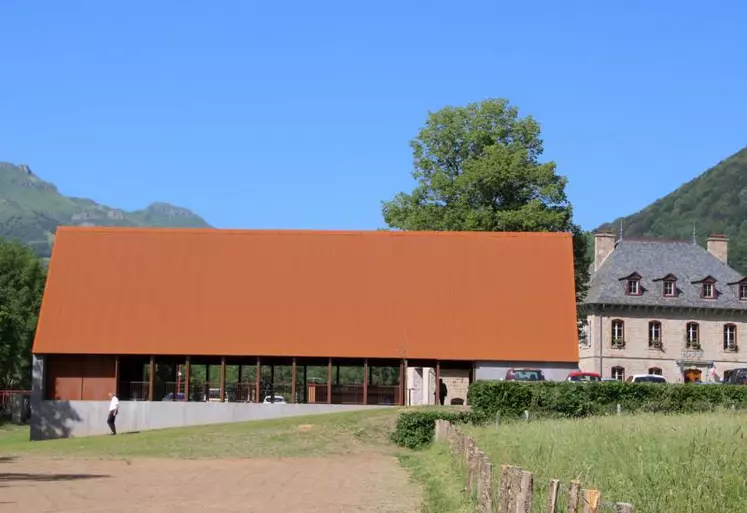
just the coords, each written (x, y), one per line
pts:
(707, 287)
(633, 285)
(709, 291)
(633, 288)
(668, 285)
(740, 289)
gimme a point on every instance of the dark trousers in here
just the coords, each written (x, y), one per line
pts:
(110, 420)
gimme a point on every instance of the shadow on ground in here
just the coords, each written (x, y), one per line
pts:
(8, 478)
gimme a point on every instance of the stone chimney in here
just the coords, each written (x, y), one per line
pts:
(604, 245)
(718, 246)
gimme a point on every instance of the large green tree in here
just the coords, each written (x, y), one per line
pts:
(478, 168)
(22, 278)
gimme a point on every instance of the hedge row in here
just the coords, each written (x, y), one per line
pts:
(569, 400)
(415, 429)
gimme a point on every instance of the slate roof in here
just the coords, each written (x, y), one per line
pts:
(654, 260)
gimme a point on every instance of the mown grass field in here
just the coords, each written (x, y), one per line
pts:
(311, 436)
(660, 464)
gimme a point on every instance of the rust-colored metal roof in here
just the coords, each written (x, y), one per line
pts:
(445, 295)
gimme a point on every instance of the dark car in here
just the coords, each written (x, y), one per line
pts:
(737, 377)
(524, 375)
(170, 397)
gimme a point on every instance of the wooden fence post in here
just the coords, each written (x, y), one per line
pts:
(516, 486)
(525, 493)
(470, 458)
(485, 485)
(515, 474)
(503, 484)
(552, 502)
(573, 497)
(592, 502)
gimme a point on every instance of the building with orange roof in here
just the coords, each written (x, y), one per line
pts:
(234, 316)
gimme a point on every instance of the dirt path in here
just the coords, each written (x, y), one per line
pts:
(360, 483)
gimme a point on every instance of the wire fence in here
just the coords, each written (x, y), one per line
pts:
(515, 488)
(15, 406)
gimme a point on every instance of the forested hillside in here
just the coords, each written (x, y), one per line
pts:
(714, 202)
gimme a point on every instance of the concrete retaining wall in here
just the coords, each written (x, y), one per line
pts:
(62, 419)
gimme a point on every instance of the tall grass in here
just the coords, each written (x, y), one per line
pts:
(443, 483)
(661, 464)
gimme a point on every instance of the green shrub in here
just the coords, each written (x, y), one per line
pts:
(572, 400)
(415, 429)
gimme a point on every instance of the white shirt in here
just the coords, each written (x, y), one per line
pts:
(114, 404)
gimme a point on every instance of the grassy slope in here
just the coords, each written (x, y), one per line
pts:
(314, 435)
(661, 464)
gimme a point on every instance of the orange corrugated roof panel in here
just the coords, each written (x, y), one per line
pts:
(461, 296)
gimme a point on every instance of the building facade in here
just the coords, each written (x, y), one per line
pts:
(316, 318)
(668, 308)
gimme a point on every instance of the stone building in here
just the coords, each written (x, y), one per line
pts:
(659, 307)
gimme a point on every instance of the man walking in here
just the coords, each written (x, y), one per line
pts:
(442, 391)
(113, 412)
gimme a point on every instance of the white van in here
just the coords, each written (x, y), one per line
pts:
(645, 378)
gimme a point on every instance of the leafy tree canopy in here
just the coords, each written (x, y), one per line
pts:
(22, 278)
(478, 168)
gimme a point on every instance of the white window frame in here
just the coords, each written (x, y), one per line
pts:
(654, 327)
(671, 293)
(709, 291)
(618, 325)
(633, 288)
(692, 328)
(730, 331)
(742, 291)
(618, 370)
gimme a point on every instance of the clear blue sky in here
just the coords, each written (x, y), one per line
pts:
(298, 114)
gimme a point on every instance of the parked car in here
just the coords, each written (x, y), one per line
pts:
(524, 375)
(737, 377)
(277, 399)
(608, 380)
(645, 378)
(578, 376)
(170, 396)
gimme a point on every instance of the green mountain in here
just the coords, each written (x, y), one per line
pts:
(714, 202)
(32, 209)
